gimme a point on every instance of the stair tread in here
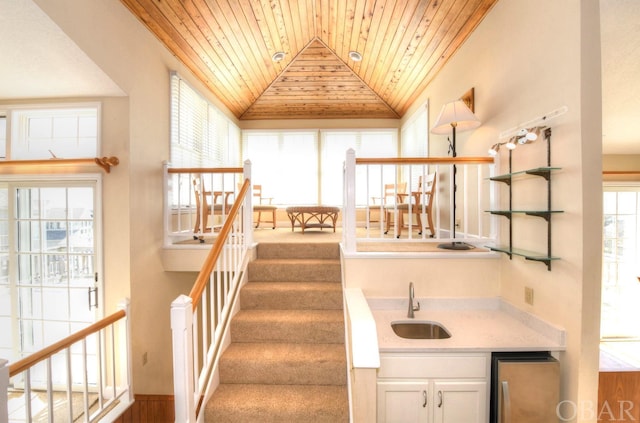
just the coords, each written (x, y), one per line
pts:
(277, 403)
(284, 351)
(294, 270)
(292, 295)
(284, 364)
(297, 260)
(293, 285)
(329, 250)
(294, 316)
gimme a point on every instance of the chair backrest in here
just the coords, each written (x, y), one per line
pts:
(198, 185)
(429, 189)
(393, 193)
(257, 193)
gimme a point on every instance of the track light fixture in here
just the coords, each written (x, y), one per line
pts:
(493, 151)
(523, 136)
(539, 123)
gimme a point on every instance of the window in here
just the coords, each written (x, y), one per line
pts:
(305, 167)
(201, 135)
(69, 131)
(415, 143)
(381, 143)
(620, 266)
(285, 164)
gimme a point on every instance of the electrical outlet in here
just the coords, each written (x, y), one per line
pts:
(145, 358)
(528, 295)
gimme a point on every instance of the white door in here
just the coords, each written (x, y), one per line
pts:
(50, 275)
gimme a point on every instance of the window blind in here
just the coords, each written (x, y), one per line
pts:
(201, 135)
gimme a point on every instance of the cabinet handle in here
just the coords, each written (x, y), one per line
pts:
(440, 399)
(424, 397)
(507, 401)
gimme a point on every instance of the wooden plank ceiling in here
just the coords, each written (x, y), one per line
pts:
(229, 44)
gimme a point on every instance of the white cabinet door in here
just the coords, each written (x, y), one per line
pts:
(457, 401)
(403, 402)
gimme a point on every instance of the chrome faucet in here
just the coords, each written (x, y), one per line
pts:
(412, 308)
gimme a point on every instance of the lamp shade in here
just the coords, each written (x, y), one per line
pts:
(457, 114)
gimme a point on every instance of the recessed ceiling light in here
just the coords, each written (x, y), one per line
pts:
(355, 56)
(278, 56)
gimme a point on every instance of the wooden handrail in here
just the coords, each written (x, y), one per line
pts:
(104, 162)
(424, 160)
(204, 170)
(27, 362)
(621, 172)
(216, 249)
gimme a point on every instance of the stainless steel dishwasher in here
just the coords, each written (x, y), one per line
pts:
(525, 387)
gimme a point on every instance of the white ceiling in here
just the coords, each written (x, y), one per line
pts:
(40, 61)
(620, 32)
(45, 63)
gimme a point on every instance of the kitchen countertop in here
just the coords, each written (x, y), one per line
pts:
(476, 325)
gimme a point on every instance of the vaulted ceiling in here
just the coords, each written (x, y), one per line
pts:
(229, 44)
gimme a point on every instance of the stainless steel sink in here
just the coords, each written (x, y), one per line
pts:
(420, 330)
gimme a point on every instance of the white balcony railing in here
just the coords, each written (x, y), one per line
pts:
(197, 202)
(366, 218)
(84, 377)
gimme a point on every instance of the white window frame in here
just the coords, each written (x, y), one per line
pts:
(622, 187)
(16, 129)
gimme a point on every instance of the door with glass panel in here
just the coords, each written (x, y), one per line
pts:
(49, 278)
(620, 263)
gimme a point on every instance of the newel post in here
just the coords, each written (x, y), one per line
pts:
(182, 340)
(125, 339)
(349, 201)
(248, 207)
(4, 386)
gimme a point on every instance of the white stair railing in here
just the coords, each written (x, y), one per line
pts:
(199, 321)
(105, 388)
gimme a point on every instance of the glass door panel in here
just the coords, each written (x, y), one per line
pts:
(620, 267)
(51, 281)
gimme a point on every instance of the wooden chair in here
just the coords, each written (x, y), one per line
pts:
(388, 197)
(263, 204)
(393, 195)
(417, 199)
(208, 203)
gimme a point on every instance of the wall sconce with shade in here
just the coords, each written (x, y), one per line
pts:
(455, 117)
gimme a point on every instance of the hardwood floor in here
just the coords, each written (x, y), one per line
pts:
(149, 409)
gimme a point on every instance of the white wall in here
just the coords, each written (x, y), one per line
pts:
(136, 129)
(524, 60)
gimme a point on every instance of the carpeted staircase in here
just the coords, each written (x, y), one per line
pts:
(286, 361)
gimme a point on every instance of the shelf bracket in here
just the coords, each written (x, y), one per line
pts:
(545, 261)
(544, 215)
